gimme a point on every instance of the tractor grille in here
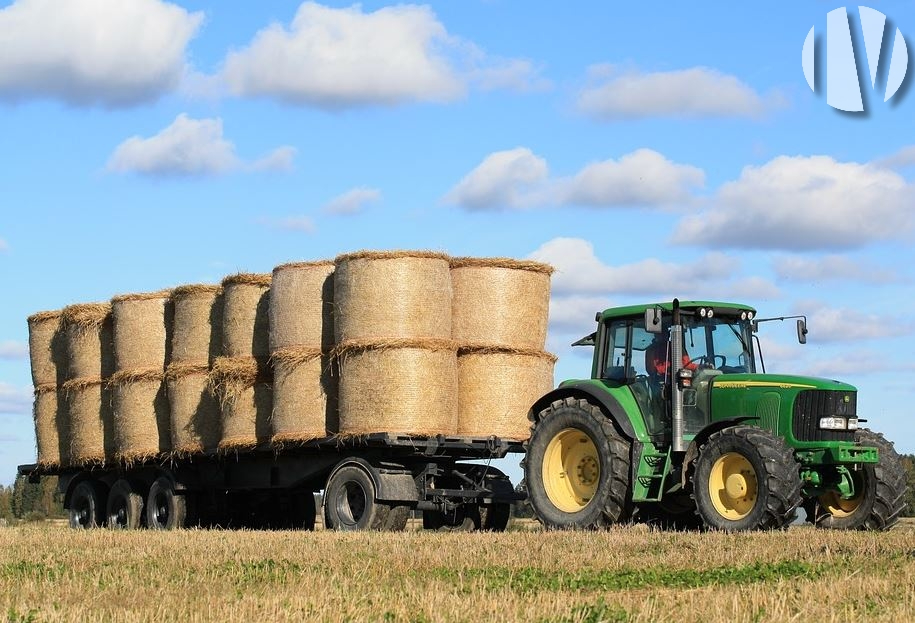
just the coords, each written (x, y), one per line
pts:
(812, 404)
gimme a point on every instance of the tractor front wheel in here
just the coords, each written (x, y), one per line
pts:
(746, 478)
(577, 467)
(879, 492)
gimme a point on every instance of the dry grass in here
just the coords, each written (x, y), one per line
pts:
(626, 574)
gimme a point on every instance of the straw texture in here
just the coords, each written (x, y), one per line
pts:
(246, 320)
(496, 388)
(404, 386)
(89, 343)
(197, 336)
(141, 414)
(88, 407)
(142, 330)
(193, 409)
(245, 399)
(51, 428)
(304, 396)
(47, 348)
(500, 301)
(301, 305)
(393, 294)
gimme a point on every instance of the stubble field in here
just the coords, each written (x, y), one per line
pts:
(630, 573)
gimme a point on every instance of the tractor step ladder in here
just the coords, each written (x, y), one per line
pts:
(652, 469)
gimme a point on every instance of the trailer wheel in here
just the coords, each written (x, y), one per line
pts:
(880, 492)
(87, 503)
(577, 467)
(349, 501)
(746, 478)
(495, 517)
(165, 510)
(125, 506)
(463, 518)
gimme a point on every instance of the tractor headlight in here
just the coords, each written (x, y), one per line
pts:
(838, 423)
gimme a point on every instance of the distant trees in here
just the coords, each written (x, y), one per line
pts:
(31, 501)
(908, 461)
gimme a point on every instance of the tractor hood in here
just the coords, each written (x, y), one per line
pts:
(779, 381)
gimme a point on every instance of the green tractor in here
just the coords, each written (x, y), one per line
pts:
(680, 426)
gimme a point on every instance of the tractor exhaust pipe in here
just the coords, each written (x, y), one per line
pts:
(676, 363)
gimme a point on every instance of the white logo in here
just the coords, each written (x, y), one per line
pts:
(843, 89)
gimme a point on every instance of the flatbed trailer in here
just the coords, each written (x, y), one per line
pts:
(370, 482)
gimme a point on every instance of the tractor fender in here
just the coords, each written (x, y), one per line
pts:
(701, 437)
(583, 389)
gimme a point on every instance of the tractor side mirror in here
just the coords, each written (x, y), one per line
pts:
(653, 320)
(802, 331)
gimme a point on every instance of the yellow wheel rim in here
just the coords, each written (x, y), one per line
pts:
(732, 486)
(836, 506)
(571, 470)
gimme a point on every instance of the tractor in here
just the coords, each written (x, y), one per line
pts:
(681, 426)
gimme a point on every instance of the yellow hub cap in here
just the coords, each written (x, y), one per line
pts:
(571, 470)
(836, 506)
(732, 486)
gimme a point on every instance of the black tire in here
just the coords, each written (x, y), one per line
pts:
(464, 518)
(125, 506)
(746, 478)
(165, 509)
(495, 517)
(87, 505)
(397, 519)
(676, 511)
(599, 495)
(349, 501)
(881, 499)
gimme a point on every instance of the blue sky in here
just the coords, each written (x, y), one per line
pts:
(648, 150)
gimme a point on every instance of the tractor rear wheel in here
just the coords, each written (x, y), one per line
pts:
(879, 492)
(746, 478)
(577, 467)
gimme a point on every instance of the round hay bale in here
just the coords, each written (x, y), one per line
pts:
(497, 387)
(47, 349)
(381, 295)
(304, 395)
(302, 305)
(52, 434)
(398, 386)
(141, 415)
(246, 319)
(89, 413)
(500, 301)
(90, 346)
(197, 336)
(193, 408)
(142, 330)
(245, 397)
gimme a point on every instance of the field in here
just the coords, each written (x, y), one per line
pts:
(631, 573)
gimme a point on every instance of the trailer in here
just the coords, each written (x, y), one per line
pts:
(369, 482)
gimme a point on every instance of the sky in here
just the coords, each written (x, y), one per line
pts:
(647, 150)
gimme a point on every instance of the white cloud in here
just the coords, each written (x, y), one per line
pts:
(693, 92)
(93, 52)
(835, 324)
(190, 147)
(905, 157)
(13, 350)
(352, 201)
(513, 74)
(15, 400)
(517, 178)
(575, 313)
(803, 203)
(828, 268)
(505, 179)
(579, 271)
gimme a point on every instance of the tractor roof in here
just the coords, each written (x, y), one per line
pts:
(723, 309)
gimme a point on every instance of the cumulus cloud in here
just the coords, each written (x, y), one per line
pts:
(574, 313)
(836, 324)
(352, 201)
(580, 271)
(693, 92)
(13, 350)
(93, 52)
(803, 203)
(189, 147)
(517, 178)
(828, 268)
(15, 400)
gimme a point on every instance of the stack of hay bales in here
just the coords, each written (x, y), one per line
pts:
(196, 342)
(241, 376)
(301, 338)
(500, 314)
(48, 358)
(142, 331)
(90, 361)
(392, 325)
